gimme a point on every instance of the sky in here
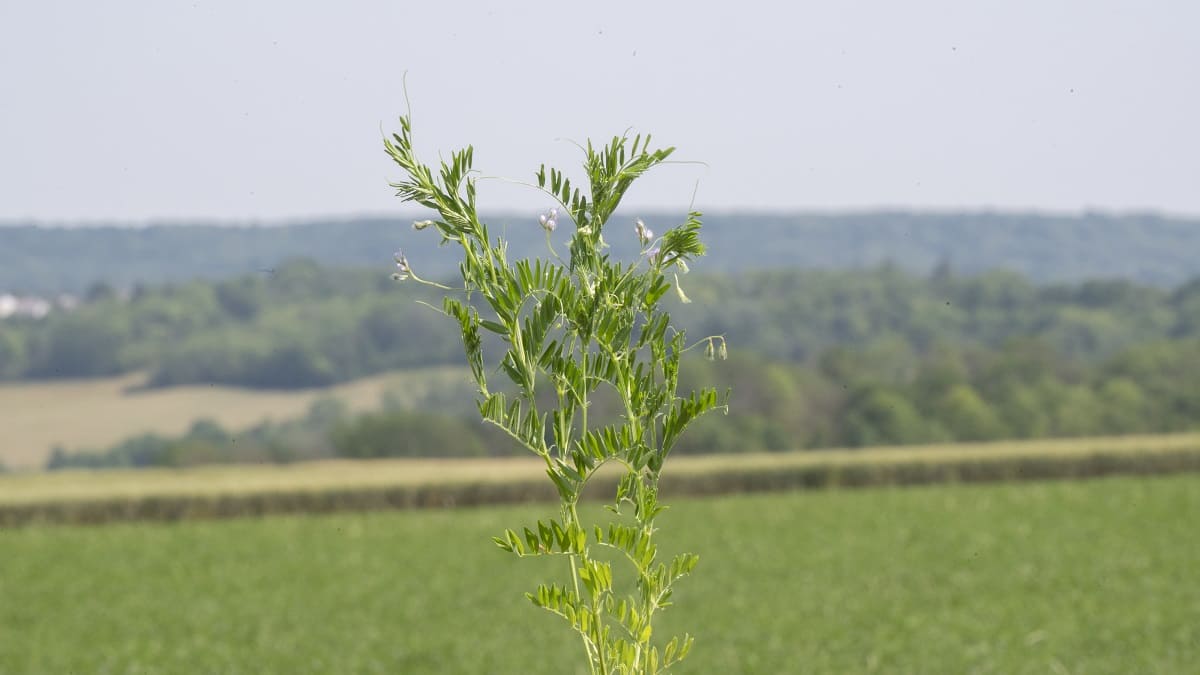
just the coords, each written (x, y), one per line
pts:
(274, 111)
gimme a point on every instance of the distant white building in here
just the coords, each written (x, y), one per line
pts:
(15, 305)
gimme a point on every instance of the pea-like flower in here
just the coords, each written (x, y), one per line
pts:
(644, 234)
(421, 224)
(679, 291)
(402, 265)
(549, 220)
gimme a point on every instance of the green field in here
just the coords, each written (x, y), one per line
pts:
(1064, 577)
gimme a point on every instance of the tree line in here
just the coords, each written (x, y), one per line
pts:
(884, 394)
(303, 325)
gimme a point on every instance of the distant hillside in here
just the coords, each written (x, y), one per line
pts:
(308, 325)
(1146, 248)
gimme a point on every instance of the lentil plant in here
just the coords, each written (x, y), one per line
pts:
(571, 327)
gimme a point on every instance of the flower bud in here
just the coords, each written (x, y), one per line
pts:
(644, 234)
(708, 350)
(682, 296)
(421, 224)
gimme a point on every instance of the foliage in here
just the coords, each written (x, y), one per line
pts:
(889, 395)
(848, 398)
(302, 326)
(402, 433)
(1016, 578)
(306, 326)
(573, 326)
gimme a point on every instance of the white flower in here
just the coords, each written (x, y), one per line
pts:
(421, 224)
(549, 220)
(402, 265)
(644, 234)
(679, 291)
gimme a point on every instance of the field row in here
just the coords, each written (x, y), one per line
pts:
(230, 491)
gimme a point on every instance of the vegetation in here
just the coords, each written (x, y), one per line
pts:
(824, 359)
(301, 327)
(573, 327)
(881, 395)
(1031, 577)
(1145, 248)
(308, 326)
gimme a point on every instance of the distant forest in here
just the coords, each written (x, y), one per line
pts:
(305, 325)
(1146, 248)
(843, 330)
(819, 358)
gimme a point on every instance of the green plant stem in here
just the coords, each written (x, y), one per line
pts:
(571, 516)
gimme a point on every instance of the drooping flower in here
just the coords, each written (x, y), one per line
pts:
(549, 220)
(679, 291)
(404, 271)
(644, 234)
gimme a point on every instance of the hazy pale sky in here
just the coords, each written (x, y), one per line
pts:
(270, 110)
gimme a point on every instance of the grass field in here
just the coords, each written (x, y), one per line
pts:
(1065, 577)
(99, 412)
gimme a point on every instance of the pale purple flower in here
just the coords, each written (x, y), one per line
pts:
(652, 254)
(644, 234)
(549, 220)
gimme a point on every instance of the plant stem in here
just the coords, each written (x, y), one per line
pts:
(571, 515)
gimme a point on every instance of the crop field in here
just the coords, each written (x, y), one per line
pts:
(35, 416)
(1060, 577)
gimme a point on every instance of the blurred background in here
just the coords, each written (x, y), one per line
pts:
(972, 230)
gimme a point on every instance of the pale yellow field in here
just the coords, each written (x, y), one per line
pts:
(69, 485)
(34, 417)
